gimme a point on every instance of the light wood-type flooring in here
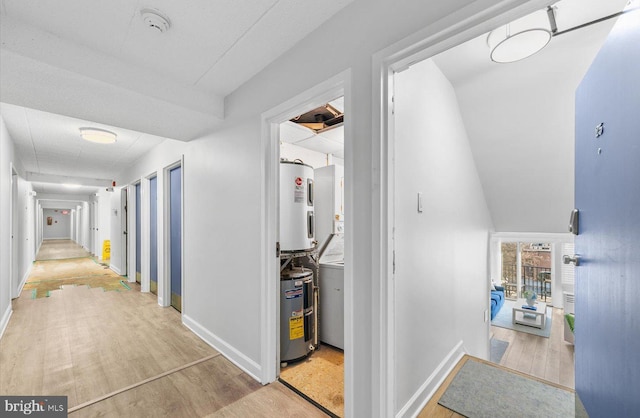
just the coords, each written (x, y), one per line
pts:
(57, 249)
(551, 359)
(319, 377)
(121, 355)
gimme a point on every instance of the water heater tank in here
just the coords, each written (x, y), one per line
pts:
(297, 222)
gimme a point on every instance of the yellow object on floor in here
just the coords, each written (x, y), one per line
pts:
(106, 249)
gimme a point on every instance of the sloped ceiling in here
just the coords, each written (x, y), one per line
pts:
(520, 118)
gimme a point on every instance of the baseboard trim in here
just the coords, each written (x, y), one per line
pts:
(24, 279)
(4, 322)
(424, 393)
(115, 269)
(236, 357)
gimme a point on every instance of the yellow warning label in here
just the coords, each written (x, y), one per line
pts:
(106, 250)
(296, 327)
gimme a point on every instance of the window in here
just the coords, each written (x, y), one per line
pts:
(526, 266)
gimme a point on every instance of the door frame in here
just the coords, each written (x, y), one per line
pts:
(124, 230)
(339, 85)
(14, 251)
(145, 227)
(164, 281)
(132, 234)
(459, 27)
(147, 212)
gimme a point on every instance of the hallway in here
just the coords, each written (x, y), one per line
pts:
(120, 354)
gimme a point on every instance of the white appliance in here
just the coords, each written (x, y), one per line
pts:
(331, 282)
(329, 205)
(297, 220)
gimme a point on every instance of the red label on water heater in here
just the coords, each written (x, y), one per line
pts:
(299, 181)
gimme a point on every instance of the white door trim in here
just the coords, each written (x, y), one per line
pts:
(467, 23)
(338, 85)
(164, 279)
(132, 203)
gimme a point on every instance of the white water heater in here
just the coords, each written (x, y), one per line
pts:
(297, 221)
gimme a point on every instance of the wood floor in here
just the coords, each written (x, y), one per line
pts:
(551, 359)
(319, 377)
(57, 249)
(120, 354)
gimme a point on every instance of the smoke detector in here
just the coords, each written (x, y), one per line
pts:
(154, 19)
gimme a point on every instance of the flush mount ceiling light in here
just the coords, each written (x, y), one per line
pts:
(523, 37)
(99, 136)
(155, 20)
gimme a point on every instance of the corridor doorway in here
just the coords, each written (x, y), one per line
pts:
(175, 235)
(153, 235)
(124, 194)
(277, 145)
(138, 243)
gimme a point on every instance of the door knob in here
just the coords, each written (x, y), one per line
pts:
(568, 259)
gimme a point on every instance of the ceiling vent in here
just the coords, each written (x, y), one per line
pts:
(321, 118)
(154, 19)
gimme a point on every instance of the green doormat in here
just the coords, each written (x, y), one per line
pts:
(480, 390)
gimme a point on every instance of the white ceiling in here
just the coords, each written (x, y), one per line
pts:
(50, 149)
(76, 63)
(98, 61)
(520, 118)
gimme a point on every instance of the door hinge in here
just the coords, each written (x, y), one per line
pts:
(393, 105)
(278, 249)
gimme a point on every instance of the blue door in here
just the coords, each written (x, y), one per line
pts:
(138, 235)
(153, 235)
(175, 237)
(607, 337)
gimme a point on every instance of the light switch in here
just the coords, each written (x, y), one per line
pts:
(419, 202)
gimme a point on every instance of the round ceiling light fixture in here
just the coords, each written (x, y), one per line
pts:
(521, 38)
(155, 20)
(99, 136)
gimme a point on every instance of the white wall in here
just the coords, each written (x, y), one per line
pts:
(529, 132)
(23, 212)
(6, 156)
(60, 227)
(84, 225)
(25, 234)
(103, 220)
(223, 182)
(227, 218)
(115, 231)
(155, 162)
(441, 254)
(313, 158)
